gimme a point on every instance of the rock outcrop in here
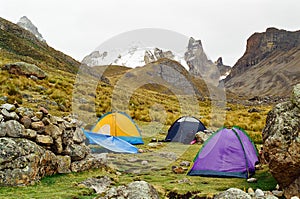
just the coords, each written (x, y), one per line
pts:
(25, 23)
(137, 189)
(269, 66)
(199, 64)
(262, 45)
(22, 68)
(156, 55)
(37, 144)
(224, 69)
(281, 143)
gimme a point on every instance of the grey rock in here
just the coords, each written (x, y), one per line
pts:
(144, 162)
(185, 164)
(35, 119)
(38, 126)
(4, 98)
(64, 164)
(22, 68)
(30, 134)
(12, 128)
(277, 193)
(79, 136)
(294, 197)
(9, 115)
(26, 121)
(53, 131)
(44, 139)
(77, 152)
(8, 107)
(1, 118)
(39, 115)
(57, 146)
(295, 97)
(89, 162)
(23, 162)
(233, 193)
(24, 112)
(259, 193)
(100, 185)
(141, 190)
(281, 144)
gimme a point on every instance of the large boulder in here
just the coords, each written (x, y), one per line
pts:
(134, 190)
(22, 68)
(23, 162)
(281, 144)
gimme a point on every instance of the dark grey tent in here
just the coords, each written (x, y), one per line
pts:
(184, 129)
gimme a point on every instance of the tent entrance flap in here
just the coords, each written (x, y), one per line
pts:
(110, 142)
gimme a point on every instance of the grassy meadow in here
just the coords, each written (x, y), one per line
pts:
(153, 111)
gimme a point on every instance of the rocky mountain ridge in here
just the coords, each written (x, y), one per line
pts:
(18, 44)
(25, 23)
(269, 66)
(139, 56)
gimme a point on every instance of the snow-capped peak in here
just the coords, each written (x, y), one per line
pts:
(25, 23)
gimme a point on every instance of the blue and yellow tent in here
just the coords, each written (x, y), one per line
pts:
(115, 131)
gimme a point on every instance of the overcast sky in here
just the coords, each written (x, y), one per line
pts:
(77, 27)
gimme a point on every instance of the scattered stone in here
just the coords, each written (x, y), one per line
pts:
(89, 162)
(44, 110)
(132, 159)
(154, 144)
(251, 192)
(185, 181)
(141, 189)
(201, 137)
(178, 170)
(294, 197)
(251, 180)
(99, 184)
(277, 193)
(30, 134)
(259, 193)
(144, 162)
(185, 164)
(233, 193)
(8, 107)
(35, 119)
(140, 150)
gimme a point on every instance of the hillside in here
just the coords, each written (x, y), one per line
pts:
(18, 44)
(270, 65)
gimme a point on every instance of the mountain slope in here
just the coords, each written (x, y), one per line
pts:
(18, 44)
(270, 65)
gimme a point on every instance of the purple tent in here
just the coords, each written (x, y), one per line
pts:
(227, 153)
